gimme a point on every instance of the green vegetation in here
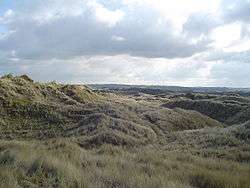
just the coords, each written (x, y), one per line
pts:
(54, 135)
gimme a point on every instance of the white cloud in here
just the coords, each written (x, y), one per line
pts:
(7, 16)
(135, 70)
(53, 10)
(226, 35)
(9, 13)
(239, 46)
(5, 35)
(178, 11)
(117, 38)
(104, 15)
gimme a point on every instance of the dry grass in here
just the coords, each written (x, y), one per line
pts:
(59, 163)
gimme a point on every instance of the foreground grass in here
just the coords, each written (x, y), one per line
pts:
(62, 163)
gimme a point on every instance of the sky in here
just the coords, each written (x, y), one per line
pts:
(152, 42)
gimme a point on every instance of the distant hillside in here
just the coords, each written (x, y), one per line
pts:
(162, 89)
(226, 109)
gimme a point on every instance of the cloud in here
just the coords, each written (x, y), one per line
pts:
(226, 35)
(146, 41)
(201, 24)
(86, 27)
(7, 16)
(135, 70)
(230, 74)
(235, 57)
(104, 15)
(236, 10)
(117, 38)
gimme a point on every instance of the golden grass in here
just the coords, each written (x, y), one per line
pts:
(60, 163)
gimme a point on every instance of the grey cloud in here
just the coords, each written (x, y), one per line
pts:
(245, 31)
(231, 11)
(233, 74)
(71, 36)
(236, 10)
(200, 23)
(242, 57)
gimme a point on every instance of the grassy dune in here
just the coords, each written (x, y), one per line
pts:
(54, 135)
